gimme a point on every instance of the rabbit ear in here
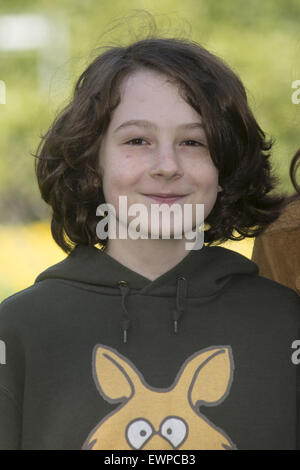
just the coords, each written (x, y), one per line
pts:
(115, 376)
(207, 376)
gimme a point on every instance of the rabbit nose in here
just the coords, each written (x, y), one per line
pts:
(158, 443)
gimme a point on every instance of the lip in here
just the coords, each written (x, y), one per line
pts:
(165, 199)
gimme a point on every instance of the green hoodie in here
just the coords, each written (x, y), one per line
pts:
(97, 356)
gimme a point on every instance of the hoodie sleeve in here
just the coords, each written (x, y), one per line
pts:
(10, 422)
(11, 380)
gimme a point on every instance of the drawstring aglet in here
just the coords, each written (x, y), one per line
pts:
(175, 326)
(124, 336)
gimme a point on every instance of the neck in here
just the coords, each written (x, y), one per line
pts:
(149, 257)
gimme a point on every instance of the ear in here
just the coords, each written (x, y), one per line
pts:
(207, 376)
(220, 188)
(115, 376)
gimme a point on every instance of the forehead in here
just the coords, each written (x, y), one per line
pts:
(147, 78)
(149, 95)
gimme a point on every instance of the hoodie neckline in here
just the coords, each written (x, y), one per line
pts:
(207, 271)
(201, 273)
(142, 281)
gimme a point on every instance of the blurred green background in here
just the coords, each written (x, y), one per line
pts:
(44, 46)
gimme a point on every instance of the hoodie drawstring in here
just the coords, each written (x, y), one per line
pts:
(125, 322)
(181, 293)
(180, 301)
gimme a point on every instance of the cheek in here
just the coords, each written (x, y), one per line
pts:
(208, 188)
(117, 181)
(208, 178)
(123, 171)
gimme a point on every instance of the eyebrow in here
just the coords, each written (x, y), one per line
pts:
(150, 125)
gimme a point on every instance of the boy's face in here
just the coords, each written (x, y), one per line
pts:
(166, 160)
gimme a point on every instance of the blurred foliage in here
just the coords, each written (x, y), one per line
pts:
(258, 40)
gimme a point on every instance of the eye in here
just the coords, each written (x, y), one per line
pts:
(174, 430)
(138, 432)
(139, 139)
(195, 142)
(134, 140)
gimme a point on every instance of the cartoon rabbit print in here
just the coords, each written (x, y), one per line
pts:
(151, 418)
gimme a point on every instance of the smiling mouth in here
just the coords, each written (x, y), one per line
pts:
(165, 199)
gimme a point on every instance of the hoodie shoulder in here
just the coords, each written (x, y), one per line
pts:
(267, 287)
(37, 293)
(268, 295)
(17, 298)
(24, 301)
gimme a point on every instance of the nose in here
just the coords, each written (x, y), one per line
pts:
(157, 442)
(166, 164)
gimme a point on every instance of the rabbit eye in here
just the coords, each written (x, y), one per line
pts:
(174, 430)
(138, 432)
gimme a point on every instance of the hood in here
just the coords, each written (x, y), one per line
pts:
(200, 274)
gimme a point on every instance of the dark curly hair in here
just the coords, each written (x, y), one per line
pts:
(67, 155)
(295, 164)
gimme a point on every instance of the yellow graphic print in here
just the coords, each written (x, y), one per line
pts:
(161, 418)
